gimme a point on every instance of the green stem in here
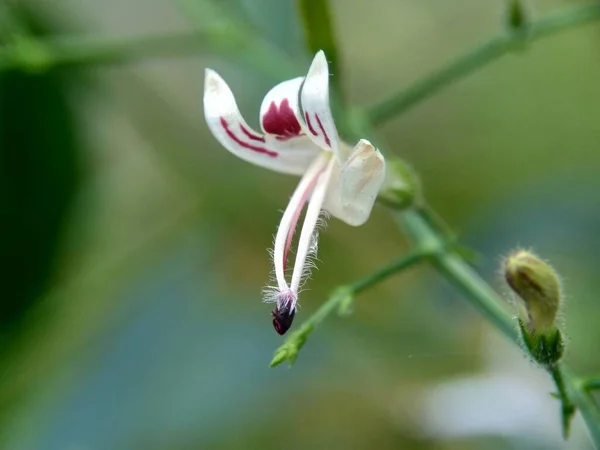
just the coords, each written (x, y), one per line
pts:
(479, 57)
(567, 408)
(319, 34)
(340, 299)
(585, 404)
(489, 304)
(343, 293)
(386, 271)
(591, 384)
(483, 297)
(437, 222)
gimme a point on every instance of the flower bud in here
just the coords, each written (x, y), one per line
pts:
(537, 284)
(402, 187)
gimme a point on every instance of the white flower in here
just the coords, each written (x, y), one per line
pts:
(299, 138)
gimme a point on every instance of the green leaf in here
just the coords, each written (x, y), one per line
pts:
(319, 33)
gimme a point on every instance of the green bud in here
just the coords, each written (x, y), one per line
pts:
(402, 187)
(537, 284)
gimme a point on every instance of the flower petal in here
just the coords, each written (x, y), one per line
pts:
(355, 185)
(231, 130)
(315, 104)
(280, 112)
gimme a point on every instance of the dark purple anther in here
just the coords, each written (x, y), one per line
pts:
(283, 318)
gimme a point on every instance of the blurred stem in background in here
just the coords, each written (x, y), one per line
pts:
(223, 37)
(511, 39)
(592, 384)
(235, 42)
(431, 239)
(78, 50)
(86, 50)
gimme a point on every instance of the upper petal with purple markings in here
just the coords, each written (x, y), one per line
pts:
(280, 112)
(223, 117)
(315, 104)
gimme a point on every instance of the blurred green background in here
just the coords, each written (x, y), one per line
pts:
(135, 248)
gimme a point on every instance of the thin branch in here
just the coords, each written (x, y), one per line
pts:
(567, 407)
(455, 270)
(386, 271)
(479, 57)
(591, 384)
(585, 404)
(340, 300)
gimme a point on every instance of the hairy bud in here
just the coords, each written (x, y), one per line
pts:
(538, 285)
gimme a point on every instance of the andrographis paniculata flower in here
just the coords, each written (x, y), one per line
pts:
(299, 138)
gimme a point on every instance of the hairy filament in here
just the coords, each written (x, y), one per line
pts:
(307, 239)
(285, 232)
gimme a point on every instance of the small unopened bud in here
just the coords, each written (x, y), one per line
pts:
(402, 187)
(537, 284)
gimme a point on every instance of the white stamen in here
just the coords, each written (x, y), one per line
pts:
(313, 211)
(290, 217)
